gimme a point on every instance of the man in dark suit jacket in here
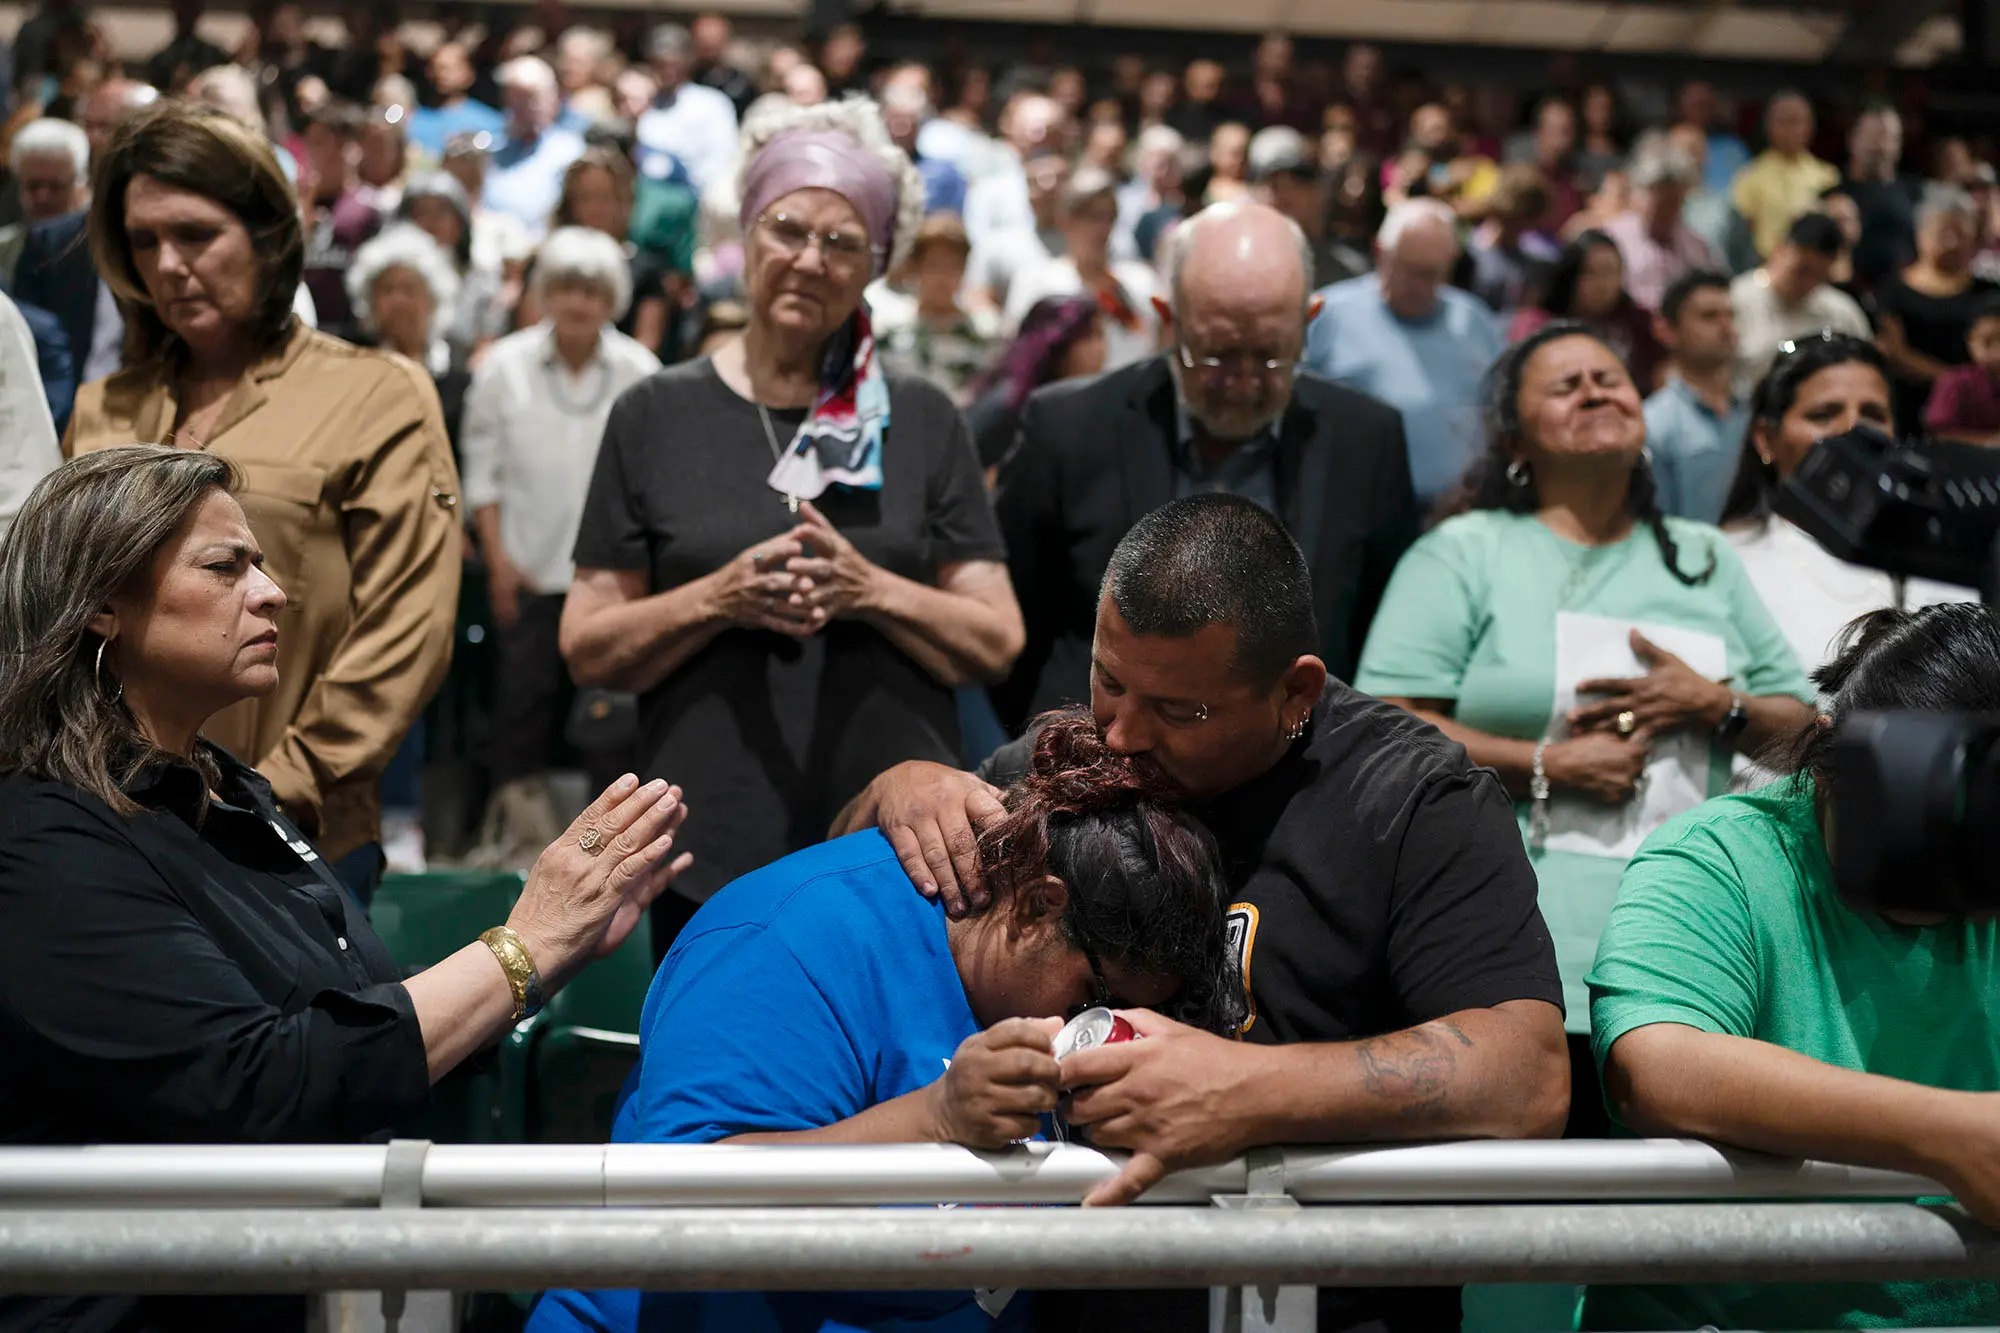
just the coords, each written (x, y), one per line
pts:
(57, 274)
(1223, 410)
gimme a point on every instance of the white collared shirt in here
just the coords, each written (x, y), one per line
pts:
(530, 438)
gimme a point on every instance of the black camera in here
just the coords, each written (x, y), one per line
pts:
(1915, 794)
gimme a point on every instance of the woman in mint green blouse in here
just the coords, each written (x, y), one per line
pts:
(1529, 630)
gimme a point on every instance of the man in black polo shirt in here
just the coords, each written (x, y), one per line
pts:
(1402, 984)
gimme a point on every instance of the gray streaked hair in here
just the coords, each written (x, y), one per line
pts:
(89, 531)
(860, 120)
(1938, 200)
(49, 137)
(1174, 249)
(584, 254)
(402, 245)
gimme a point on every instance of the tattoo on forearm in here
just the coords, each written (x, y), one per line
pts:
(1412, 1069)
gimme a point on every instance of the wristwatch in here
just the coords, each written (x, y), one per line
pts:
(1733, 721)
(522, 978)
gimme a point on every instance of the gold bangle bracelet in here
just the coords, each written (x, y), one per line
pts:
(519, 965)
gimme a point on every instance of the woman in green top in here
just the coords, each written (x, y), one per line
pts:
(1738, 997)
(1532, 631)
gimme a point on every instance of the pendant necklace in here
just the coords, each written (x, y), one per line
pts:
(771, 436)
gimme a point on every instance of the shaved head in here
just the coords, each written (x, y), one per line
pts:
(1241, 278)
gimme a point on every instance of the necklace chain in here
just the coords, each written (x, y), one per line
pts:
(771, 437)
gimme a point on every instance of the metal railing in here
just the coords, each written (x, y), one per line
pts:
(726, 1175)
(1260, 1231)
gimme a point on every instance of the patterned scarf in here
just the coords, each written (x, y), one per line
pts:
(840, 441)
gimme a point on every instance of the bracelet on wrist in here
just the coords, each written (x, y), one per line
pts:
(1538, 794)
(522, 978)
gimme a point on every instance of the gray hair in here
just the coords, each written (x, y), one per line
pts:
(1938, 201)
(530, 72)
(860, 120)
(1411, 212)
(583, 254)
(403, 245)
(88, 532)
(1174, 249)
(49, 137)
(1664, 166)
(669, 41)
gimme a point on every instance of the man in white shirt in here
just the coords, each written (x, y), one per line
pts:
(534, 418)
(1006, 254)
(1123, 290)
(1001, 200)
(693, 123)
(1790, 297)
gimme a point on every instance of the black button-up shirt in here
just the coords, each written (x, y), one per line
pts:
(192, 973)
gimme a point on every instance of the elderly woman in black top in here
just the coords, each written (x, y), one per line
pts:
(176, 960)
(787, 553)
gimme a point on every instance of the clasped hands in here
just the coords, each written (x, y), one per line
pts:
(797, 582)
(1173, 1097)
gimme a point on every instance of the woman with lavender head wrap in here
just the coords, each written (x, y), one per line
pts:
(788, 553)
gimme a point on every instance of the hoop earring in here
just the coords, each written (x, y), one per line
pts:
(97, 672)
(1517, 473)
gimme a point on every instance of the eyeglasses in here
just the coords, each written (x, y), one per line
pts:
(791, 238)
(1234, 363)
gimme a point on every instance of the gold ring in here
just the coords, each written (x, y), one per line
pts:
(1628, 722)
(591, 841)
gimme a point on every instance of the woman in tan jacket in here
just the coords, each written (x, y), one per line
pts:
(348, 479)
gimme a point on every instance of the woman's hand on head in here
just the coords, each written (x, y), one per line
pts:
(579, 904)
(840, 581)
(999, 1084)
(757, 591)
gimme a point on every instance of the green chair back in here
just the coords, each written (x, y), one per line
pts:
(423, 919)
(577, 1075)
(610, 992)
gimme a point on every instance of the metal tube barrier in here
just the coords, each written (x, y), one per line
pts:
(721, 1175)
(845, 1249)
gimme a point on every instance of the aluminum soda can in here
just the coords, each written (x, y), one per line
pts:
(1092, 1027)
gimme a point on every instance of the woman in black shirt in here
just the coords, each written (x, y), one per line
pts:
(177, 963)
(786, 553)
(1923, 313)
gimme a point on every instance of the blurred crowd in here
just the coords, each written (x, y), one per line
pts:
(472, 200)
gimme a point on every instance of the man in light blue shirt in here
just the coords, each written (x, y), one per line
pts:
(457, 111)
(1695, 423)
(524, 177)
(1402, 335)
(693, 122)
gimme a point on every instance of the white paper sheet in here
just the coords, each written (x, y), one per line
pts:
(1599, 647)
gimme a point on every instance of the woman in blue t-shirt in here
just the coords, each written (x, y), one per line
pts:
(820, 1000)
